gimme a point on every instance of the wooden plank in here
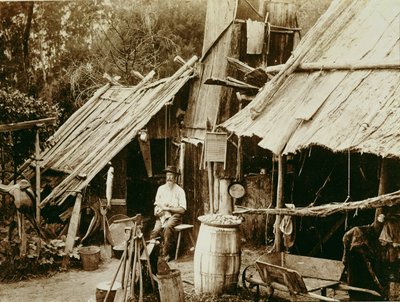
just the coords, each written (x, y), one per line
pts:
(274, 273)
(72, 122)
(72, 228)
(311, 267)
(355, 65)
(358, 289)
(230, 83)
(27, 124)
(219, 17)
(239, 65)
(277, 27)
(314, 284)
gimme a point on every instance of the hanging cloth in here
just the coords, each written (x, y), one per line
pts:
(255, 37)
(287, 227)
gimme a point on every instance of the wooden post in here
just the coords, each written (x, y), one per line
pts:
(22, 234)
(37, 172)
(239, 154)
(72, 228)
(3, 165)
(210, 186)
(383, 182)
(225, 200)
(279, 204)
(182, 151)
(216, 188)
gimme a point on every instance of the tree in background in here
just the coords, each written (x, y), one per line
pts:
(54, 54)
(18, 107)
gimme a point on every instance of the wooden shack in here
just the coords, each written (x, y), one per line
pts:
(135, 128)
(335, 102)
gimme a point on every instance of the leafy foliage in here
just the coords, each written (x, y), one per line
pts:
(18, 107)
(42, 258)
(71, 44)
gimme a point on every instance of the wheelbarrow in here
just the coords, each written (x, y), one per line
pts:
(309, 277)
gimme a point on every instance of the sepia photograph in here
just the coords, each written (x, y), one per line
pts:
(199, 150)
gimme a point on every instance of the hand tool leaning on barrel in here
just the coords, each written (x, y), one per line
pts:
(130, 262)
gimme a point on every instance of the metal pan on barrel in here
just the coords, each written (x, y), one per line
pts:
(236, 190)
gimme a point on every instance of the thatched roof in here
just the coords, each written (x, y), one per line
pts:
(340, 89)
(100, 129)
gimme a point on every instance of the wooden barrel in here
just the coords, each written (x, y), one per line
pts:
(170, 287)
(217, 259)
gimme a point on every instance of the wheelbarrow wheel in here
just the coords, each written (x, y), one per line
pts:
(247, 281)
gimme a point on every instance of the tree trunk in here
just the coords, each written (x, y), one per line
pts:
(25, 41)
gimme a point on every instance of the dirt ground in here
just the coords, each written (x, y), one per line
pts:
(80, 286)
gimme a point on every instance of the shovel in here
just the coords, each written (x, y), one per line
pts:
(105, 249)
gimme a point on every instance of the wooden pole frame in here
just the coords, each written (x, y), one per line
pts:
(37, 173)
(279, 203)
(27, 124)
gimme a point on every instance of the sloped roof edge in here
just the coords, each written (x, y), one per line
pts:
(346, 109)
(109, 121)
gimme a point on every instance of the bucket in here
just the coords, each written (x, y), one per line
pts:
(217, 259)
(103, 287)
(118, 251)
(90, 256)
(170, 287)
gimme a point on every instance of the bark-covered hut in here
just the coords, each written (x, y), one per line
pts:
(331, 116)
(136, 128)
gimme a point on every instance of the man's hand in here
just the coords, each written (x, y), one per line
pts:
(159, 211)
(164, 207)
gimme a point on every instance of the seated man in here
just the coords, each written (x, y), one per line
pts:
(169, 206)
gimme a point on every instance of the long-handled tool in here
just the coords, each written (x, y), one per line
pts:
(128, 270)
(105, 249)
(132, 271)
(121, 262)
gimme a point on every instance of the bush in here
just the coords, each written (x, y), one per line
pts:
(17, 107)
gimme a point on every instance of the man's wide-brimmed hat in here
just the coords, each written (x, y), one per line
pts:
(171, 169)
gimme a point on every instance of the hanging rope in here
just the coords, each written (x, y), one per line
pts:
(165, 136)
(348, 198)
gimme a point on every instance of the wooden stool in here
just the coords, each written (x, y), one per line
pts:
(179, 229)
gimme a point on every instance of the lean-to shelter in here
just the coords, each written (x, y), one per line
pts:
(103, 127)
(339, 90)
